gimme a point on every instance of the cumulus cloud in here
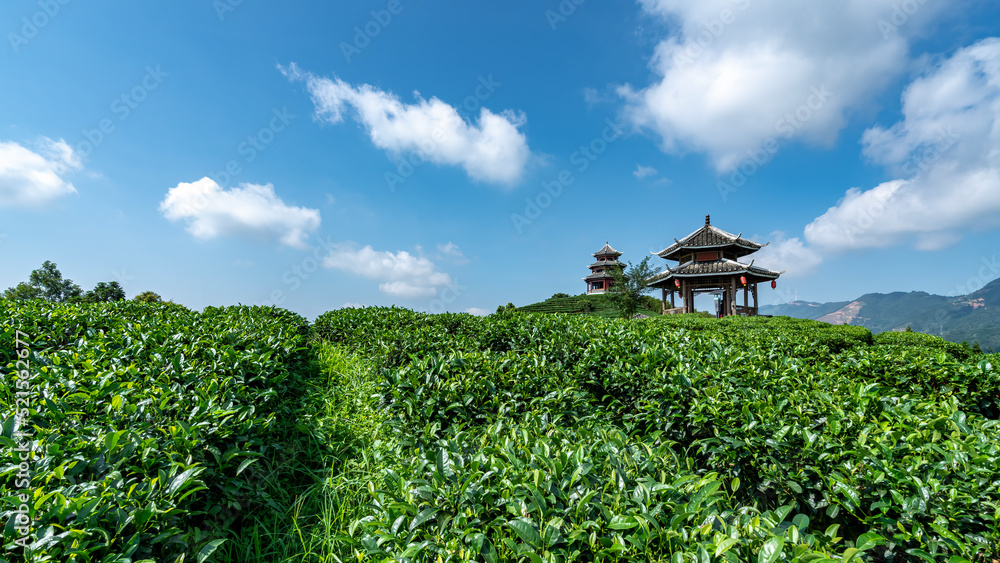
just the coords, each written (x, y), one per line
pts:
(791, 254)
(251, 210)
(452, 253)
(491, 150)
(735, 74)
(644, 171)
(477, 311)
(402, 274)
(34, 178)
(946, 150)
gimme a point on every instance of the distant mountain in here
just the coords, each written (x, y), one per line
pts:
(969, 318)
(802, 309)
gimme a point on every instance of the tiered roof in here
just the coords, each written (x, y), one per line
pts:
(725, 267)
(600, 270)
(606, 250)
(595, 276)
(706, 239)
(709, 238)
(606, 264)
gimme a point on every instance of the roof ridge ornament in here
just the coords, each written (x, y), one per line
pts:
(708, 220)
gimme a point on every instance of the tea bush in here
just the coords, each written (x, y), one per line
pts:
(382, 434)
(880, 451)
(148, 424)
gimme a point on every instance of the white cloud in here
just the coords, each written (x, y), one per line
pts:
(733, 73)
(402, 274)
(477, 311)
(644, 171)
(251, 210)
(34, 178)
(493, 150)
(789, 254)
(946, 151)
(352, 305)
(452, 253)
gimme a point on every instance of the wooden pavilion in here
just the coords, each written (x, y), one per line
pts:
(709, 263)
(600, 278)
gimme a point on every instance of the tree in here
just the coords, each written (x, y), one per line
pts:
(45, 283)
(508, 308)
(630, 285)
(104, 292)
(23, 291)
(148, 297)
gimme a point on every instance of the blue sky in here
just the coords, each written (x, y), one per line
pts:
(461, 155)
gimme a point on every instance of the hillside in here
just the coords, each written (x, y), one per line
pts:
(968, 318)
(588, 305)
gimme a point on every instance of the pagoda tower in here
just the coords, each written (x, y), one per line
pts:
(709, 263)
(600, 278)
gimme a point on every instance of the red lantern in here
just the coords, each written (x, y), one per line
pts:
(677, 283)
(774, 284)
(743, 280)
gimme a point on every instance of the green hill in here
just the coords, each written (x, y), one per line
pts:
(589, 305)
(967, 318)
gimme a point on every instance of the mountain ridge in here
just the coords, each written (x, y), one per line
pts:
(974, 317)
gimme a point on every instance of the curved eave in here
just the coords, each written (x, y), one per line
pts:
(754, 275)
(669, 252)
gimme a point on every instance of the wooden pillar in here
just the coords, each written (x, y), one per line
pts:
(746, 295)
(684, 295)
(755, 306)
(732, 295)
(672, 306)
(663, 300)
(686, 288)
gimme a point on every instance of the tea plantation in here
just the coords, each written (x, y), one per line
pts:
(154, 433)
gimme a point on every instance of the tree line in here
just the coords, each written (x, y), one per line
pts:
(49, 284)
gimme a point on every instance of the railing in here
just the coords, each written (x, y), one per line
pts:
(674, 311)
(746, 311)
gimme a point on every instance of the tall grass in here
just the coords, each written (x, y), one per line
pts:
(341, 444)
